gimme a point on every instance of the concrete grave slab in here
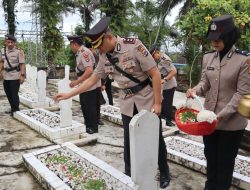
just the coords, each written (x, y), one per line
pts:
(48, 124)
(69, 167)
(190, 154)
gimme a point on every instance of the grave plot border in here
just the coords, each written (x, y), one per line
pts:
(49, 180)
(197, 164)
(52, 134)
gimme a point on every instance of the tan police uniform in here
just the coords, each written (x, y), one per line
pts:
(224, 84)
(165, 66)
(84, 59)
(131, 56)
(134, 59)
(16, 57)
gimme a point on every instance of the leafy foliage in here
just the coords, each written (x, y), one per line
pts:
(194, 24)
(9, 9)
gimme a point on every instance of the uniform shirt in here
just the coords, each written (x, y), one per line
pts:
(16, 57)
(224, 83)
(165, 65)
(134, 59)
(85, 58)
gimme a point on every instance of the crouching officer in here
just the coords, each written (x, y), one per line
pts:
(12, 65)
(130, 65)
(168, 80)
(85, 62)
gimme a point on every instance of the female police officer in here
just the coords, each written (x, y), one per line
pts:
(225, 79)
(131, 56)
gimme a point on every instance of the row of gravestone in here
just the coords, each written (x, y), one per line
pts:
(55, 127)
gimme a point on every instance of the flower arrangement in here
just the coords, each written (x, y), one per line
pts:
(195, 122)
(72, 170)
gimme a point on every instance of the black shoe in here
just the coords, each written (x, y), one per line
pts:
(164, 182)
(90, 131)
(169, 123)
(100, 123)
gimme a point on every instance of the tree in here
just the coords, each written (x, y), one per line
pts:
(117, 10)
(194, 24)
(50, 16)
(86, 10)
(9, 9)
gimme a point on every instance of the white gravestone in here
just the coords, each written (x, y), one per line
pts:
(65, 105)
(41, 82)
(144, 143)
(66, 70)
(34, 79)
(28, 72)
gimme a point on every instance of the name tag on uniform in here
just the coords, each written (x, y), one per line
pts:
(210, 68)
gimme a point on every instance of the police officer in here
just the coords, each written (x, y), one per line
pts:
(12, 64)
(85, 62)
(168, 81)
(129, 63)
(99, 97)
(225, 79)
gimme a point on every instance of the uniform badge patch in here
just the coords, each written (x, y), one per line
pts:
(86, 57)
(210, 68)
(142, 49)
(129, 40)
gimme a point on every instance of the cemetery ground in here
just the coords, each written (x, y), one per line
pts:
(17, 139)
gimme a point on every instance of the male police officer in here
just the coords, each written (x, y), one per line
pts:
(12, 64)
(85, 62)
(169, 84)
(130, 64)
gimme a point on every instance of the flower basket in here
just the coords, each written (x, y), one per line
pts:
(186, 121)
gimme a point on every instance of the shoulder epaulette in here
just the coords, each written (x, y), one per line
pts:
(242, 52)
(129, 40)
(210, 51)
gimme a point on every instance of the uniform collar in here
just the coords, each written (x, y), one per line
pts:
(231, 52)
(79, 50)
(119, 44)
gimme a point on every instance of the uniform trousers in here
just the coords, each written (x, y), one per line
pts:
(98, 103)
(221, 149)
(88, 103)
(11, 88)
(108, 88)
(167, 103)
(162, 156)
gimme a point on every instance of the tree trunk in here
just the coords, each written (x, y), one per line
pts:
(51, 73)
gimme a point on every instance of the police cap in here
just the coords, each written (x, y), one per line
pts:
(96, 34)
(76, 38)
(10, 37)
(153, 49)
(219, 26)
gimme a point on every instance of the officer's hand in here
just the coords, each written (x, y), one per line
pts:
(190, 93)
(156, 109)
(73, 84)
(61, 96)
(21, 80)
(162, 81)
(219, 119)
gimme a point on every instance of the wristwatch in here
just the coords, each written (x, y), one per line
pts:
(165, 79)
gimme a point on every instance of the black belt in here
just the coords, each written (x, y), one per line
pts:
(137, 88)
(12, 69)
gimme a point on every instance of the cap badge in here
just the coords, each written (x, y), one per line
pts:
(213, 27)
